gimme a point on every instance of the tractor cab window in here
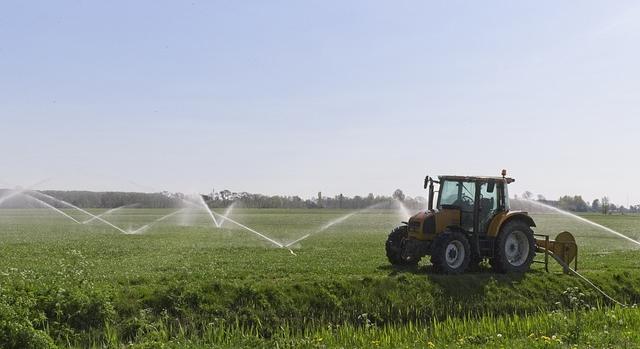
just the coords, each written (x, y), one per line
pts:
(506, 197)
(457, 195)
(489, 204)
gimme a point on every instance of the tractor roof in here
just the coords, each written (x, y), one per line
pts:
(477, 179)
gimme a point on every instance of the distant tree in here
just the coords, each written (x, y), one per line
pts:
(581, 205)
(527, 195)
(573, 203)
(398, 195)
(541, 197)
(566, 203)
(225, 195)
(605, 205)
(595, 205)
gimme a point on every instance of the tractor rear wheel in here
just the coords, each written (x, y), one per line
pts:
(395, 244)
(451, 253)
(515, 248)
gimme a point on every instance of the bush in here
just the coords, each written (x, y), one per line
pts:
(18, 332)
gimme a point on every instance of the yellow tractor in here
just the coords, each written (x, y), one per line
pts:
(471, 221)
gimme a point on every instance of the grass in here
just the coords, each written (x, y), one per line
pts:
(184, 283)
(598, 328)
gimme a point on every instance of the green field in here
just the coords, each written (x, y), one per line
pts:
(184, 283)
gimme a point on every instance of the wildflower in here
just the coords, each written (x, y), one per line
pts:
(499, 335)
(431, 345)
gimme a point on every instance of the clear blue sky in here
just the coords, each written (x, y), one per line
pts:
(294, 97)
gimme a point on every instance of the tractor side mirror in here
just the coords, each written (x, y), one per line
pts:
(491, 186)
(426, 182)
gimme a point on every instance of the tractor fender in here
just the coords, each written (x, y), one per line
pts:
(502, 218)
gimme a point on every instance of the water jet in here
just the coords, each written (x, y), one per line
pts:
(79, 209)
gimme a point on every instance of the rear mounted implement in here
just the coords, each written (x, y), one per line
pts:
(563, 249)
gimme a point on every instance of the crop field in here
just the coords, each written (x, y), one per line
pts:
(185, 283)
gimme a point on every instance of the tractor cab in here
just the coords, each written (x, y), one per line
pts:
(470, 220)
(479, 199)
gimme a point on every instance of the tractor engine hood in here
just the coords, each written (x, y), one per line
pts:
(426, 225)
(421, 224)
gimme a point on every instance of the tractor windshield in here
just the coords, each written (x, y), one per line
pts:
(459, 194)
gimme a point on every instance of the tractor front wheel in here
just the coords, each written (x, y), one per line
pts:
(451, 253)
(395, 244)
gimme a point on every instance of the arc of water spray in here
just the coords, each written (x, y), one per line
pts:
(227, 212)
(325, 227)
(334, 222)
(206, 207)
(278, 244)
(51, 207)
(251, 230)
(203, 205)
(224, 217)
(148, 225)
(404, 211)
(583, 220)
(15, 192)
(81, 210)
(107, 212)
(212, 214)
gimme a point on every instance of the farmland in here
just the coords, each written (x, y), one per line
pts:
(186, 283)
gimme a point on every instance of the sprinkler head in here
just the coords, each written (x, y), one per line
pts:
(504, 173)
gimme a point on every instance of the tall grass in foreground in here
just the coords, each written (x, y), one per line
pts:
(581, 328)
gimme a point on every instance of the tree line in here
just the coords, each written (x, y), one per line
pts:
(224, 198)
(91, 199)
(576, 203)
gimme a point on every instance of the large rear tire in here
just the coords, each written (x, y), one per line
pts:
(451, 253)
(515, 248)
(395, 244)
